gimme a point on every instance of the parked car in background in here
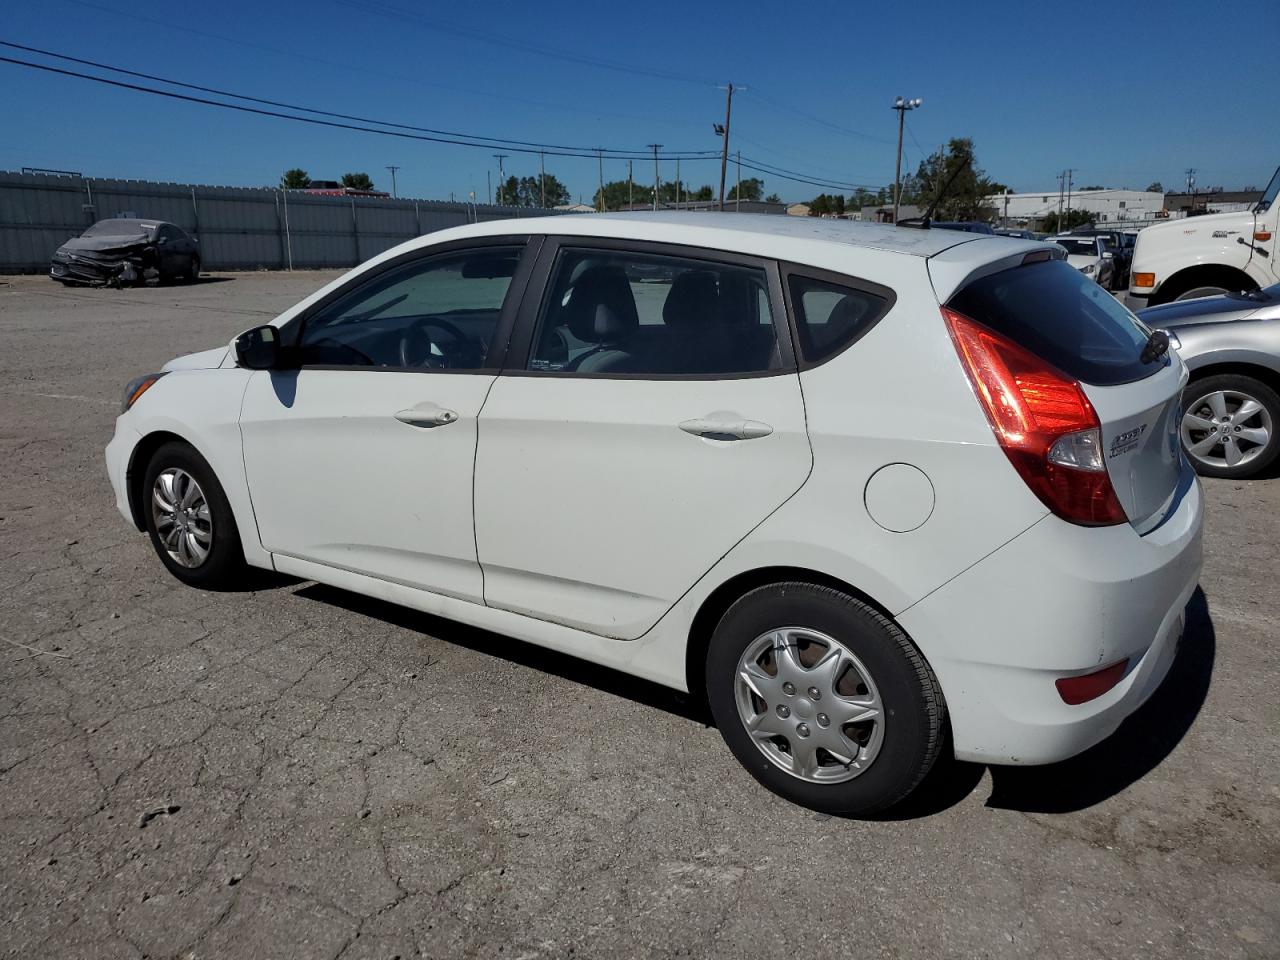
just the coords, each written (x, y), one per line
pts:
(126, 251)
(628, 438)
(969, 226)
(1089, 255)
(1019, 234)
(1120, 245)
(1231, 405)
(1208, 256)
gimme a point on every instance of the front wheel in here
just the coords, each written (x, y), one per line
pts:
(190, 521)
(193, 270)
(1195, 293)
(824, 700)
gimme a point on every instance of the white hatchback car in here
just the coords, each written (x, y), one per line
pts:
(855, 483)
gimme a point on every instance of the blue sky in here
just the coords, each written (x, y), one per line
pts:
(1102, 88)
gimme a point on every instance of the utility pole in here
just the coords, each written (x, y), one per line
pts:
(1191, 189)
(724, 134)
(600, 160)
(542, 176)
(502, 174)
(393, 180)
(655, 147)
(677, 183)
(488, 179)
(1070, 171)
(737, 191)
(902, 106)
(631, 193)
(1062, 181)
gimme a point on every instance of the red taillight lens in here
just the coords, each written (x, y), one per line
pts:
(1074, 690)
(1043, 421)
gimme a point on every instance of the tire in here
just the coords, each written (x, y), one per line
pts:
(1253, 439)
(193, 269)
(1196, 293)
(179, 543)
(792, 626)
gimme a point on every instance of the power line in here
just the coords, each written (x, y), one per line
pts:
(462, 140)
(500, 141)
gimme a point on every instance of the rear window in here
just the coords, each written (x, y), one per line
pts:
(1063, 317)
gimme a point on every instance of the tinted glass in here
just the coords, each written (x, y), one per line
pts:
(436, 313)
(611, 312)
(830, 316)
(1063, 317)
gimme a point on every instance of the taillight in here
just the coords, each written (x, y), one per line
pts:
(1043, 422)
(1076, 690)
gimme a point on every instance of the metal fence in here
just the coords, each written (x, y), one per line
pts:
(239, 228)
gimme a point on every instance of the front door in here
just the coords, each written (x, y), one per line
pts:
(362, 458)
(651, 419)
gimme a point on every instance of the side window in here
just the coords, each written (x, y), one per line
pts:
(649, 314)
(830, 316)
(436, 313)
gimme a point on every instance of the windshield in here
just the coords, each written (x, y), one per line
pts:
(1269, 195)
(1078, 246)
(118, 228)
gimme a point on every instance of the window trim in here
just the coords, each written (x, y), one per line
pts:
(539, 290)
(835, 278)
(291, 333)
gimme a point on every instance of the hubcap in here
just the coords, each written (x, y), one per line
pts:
(783, 676)
(182, 517)
(1226, 429)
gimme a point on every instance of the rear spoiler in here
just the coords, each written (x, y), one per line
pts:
(954, 267)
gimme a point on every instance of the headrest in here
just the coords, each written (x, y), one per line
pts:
(849, 311)
(693, 300)
(601, 306)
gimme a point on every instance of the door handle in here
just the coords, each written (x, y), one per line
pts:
(427, 416)
(724, 428)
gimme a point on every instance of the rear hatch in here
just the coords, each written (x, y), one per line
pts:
(1050, 309)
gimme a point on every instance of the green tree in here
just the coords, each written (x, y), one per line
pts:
(1070, 220)
(773, 198)
(527, 191)
(1093, 186)
(295, 179)
(1155, 187)
(820, 205)
(357, 181)
(752, 189)
(965, 198)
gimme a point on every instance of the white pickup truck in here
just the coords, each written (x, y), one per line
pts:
(1209, 255)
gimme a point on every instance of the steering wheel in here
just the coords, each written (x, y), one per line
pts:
(415, 344)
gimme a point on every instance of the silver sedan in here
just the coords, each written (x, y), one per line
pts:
(1232, 402)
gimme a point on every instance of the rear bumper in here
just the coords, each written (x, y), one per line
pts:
(1057, 601)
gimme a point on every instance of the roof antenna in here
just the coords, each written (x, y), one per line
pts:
(922, 223)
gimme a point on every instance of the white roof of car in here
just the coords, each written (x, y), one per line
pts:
(742, 232)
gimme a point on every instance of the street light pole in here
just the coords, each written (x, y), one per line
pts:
(393, 180)
(724, 133)
(655, 147)
(902, 106)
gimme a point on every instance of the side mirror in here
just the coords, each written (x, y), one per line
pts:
(259, 348)
(1108, 255)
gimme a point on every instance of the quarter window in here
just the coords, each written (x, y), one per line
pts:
(830, 316)
(610, 312)
(437, 313)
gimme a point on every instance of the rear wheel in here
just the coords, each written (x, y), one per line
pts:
(1229, 425)
(190, 521)
(824, 700)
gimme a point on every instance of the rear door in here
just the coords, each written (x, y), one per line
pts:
(649, 418)
(1058, 314)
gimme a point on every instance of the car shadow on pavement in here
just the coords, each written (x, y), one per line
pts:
(500, 646)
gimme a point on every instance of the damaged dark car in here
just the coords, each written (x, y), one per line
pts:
(122, 252)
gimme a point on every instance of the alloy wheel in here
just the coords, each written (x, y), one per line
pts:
(809, 705)
(183, 520)
(1226, 429)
